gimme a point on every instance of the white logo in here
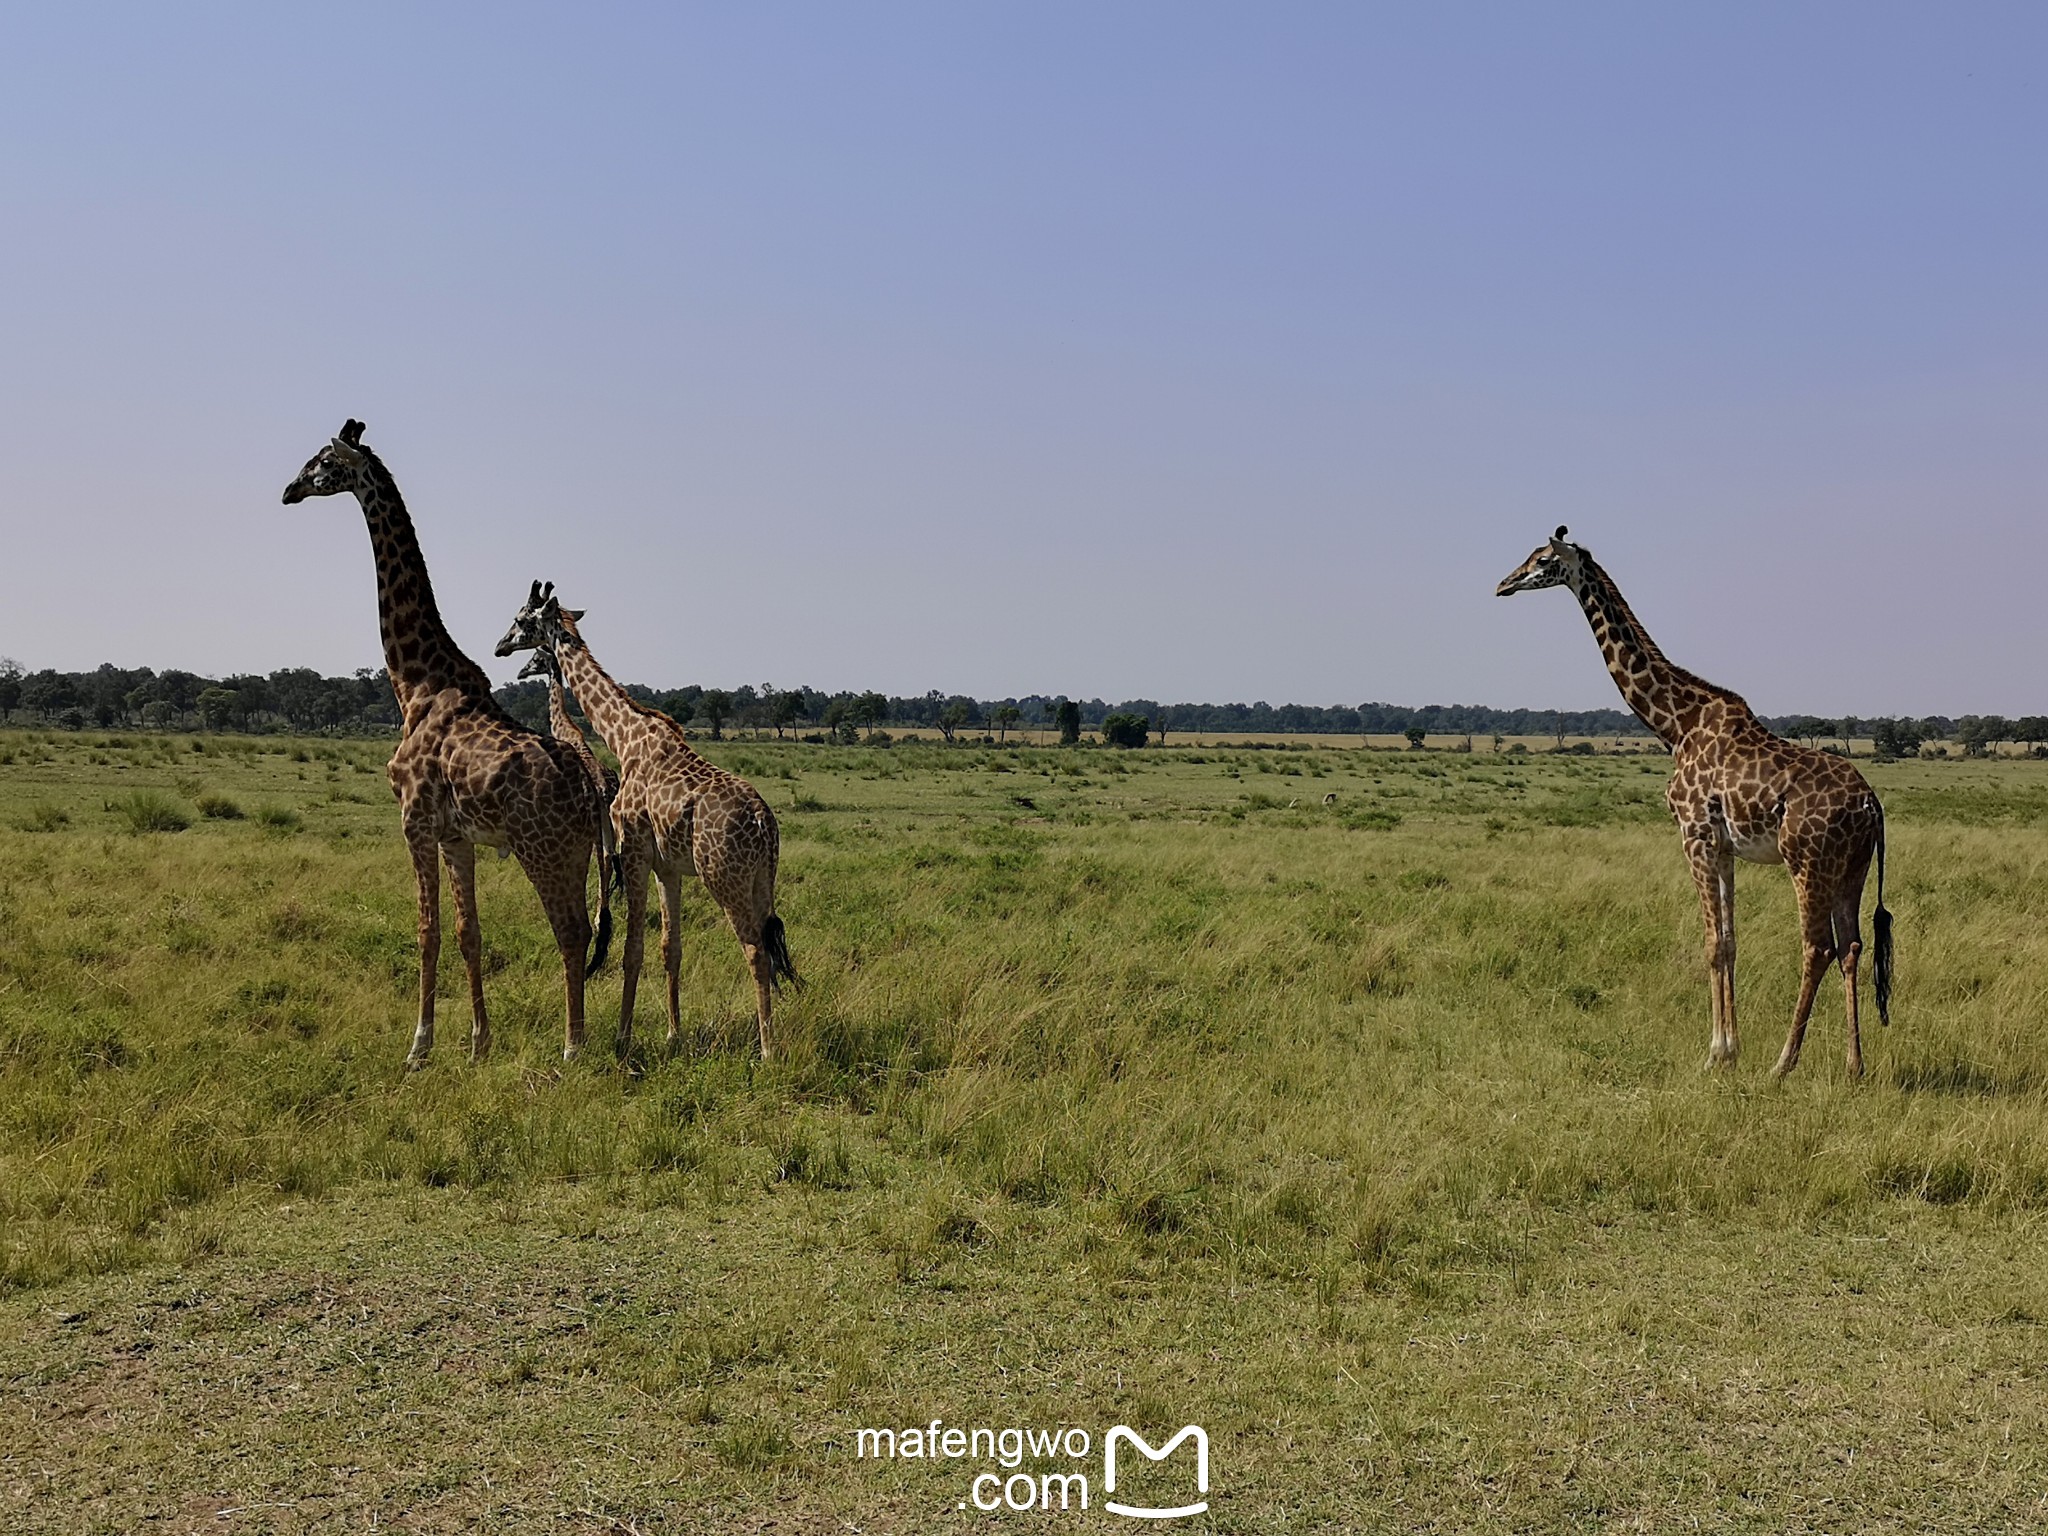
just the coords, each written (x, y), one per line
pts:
(1145, 1512)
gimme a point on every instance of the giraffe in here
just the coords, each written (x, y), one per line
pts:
(675, 814)
(1739, 792)
(563, 727)
(465, 774)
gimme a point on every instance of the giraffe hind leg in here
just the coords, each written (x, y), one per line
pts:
(1817, 932)
(570, 919)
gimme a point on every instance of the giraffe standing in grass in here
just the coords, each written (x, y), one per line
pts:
(1740, 792)
(563, 727)
(466, 774)
(675, 814)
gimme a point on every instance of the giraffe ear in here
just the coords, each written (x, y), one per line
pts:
(575, 614)
(347, 452)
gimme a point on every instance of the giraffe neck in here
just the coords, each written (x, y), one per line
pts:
(564, 728)
(419, 653)
(613, 713)
(1665, 697)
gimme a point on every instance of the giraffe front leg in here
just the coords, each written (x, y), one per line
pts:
(671, 890)
(461, 861)
(1713, 873)
(633, 863)
(426, 871)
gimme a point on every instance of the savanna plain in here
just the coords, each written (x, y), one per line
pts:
(1140, 1087)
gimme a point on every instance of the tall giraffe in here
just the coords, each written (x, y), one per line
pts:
(1739, 791)
(675, 814)
(466, 774)
(563, 727)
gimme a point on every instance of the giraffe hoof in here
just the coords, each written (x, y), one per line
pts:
(416, 1062)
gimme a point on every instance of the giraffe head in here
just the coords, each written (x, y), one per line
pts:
(1553, 564)
(541, 664)
(342, 465)
(540, 625)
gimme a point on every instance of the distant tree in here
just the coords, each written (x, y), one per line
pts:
(715, 705)
(784, 710)
(1980, 734)
(1069, 716)
(10, 685)
(870, 710)
(954, 715)
(837, 718)
(1897, 738)
(1125, 730)
(1416, 735)
(1005, 716)
(49, 693)
(216, 708)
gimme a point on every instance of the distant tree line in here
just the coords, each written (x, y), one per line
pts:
(299, 699)
(289, 699)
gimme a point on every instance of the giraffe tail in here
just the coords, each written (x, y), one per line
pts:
(775, 940)
(1881, 936)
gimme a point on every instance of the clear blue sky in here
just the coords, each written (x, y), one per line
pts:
(1181, 350)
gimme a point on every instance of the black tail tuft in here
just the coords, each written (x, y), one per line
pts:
(776, 942)
(1881, 938)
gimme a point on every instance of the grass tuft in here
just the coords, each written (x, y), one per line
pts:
(146, 810)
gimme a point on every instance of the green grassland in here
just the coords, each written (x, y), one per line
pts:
(1143, 1087)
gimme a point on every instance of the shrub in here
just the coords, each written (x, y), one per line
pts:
(1126, 730)
(147, 811)
(279, 818)
(219, 808)
(44, 817)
